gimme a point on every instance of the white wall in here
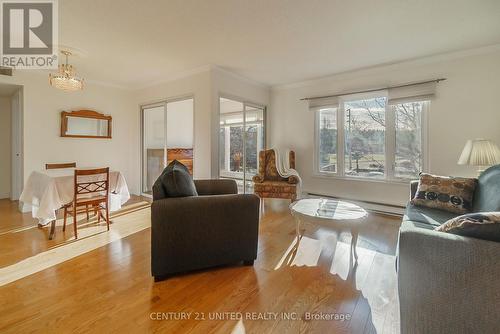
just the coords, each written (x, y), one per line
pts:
(5, 146)
(466, 107)
(41, 127)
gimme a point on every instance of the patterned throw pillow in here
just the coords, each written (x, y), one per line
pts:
(453, 194)
(482, 225)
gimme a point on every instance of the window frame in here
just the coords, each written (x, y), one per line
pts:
(389, 142)
(316, 153)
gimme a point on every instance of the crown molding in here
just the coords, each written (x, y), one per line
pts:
(240, 77)
(106, 84)
(339, 75)
(170, 78)
(368, 70)
(45, 73)
(176, 76)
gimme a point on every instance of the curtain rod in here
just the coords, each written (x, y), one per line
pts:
(374, 89)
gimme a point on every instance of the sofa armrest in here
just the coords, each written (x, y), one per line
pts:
(201, 231)
(413, 188)
(216, 187)
(447, 283)
(293, 179)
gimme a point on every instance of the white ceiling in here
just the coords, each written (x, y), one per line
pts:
(134, 43)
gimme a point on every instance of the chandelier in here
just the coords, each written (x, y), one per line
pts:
(65, 79)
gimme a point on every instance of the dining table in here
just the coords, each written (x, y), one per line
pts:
(46, 191)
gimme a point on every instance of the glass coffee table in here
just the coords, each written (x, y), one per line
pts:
(340, 215)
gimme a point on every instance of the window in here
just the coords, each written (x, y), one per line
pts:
(370, 139)
(328, 140)
(408, 161)
(364, 154)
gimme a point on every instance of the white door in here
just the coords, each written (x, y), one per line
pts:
(17, 145)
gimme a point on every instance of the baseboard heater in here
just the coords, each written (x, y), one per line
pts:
(376, 207)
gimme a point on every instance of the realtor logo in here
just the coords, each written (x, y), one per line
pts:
(29, 34)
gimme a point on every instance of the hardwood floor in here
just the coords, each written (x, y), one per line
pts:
(11, 218)
(110, 289)
(16, 246)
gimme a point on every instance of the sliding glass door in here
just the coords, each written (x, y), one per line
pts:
(154, 153)
(241, 137)
(167, 134)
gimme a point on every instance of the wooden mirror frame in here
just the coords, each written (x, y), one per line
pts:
(83, 114)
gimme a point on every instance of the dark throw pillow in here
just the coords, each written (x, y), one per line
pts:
(174, 181)
(481, 225)
(453, 194)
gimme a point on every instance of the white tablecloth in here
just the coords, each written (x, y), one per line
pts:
(48, 190)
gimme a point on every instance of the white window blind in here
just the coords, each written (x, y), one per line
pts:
(415, 93)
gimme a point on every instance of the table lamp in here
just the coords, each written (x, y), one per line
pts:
(481, 153)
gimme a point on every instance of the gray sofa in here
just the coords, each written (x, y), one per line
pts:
(449, 283)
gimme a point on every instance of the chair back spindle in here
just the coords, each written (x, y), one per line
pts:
(88, 182)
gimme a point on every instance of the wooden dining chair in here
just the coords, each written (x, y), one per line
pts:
(91, 190)
(63, 165)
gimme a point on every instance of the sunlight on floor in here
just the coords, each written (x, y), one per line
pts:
(124, 226)
(305, 253)
(364, 274)
(239, 328)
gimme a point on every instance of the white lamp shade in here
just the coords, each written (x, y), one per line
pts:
(480, 152)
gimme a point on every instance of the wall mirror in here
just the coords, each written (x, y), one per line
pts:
(85, 124)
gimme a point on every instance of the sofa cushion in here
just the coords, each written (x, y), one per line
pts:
(174, 181)
(453, 194)
(275, 187)
(426, 216)
(480, 225)
(159, 191)
(487, 196)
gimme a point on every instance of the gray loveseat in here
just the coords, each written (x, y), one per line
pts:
(449, 283)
